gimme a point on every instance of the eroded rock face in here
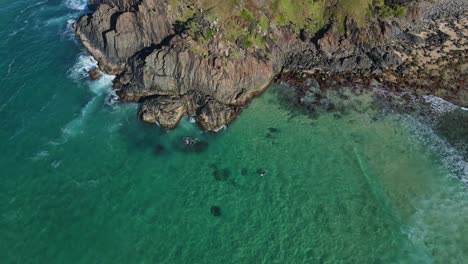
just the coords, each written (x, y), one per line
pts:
(167, 111)
(158, 65)
(176, 70)
(116, 31)
(136, 41)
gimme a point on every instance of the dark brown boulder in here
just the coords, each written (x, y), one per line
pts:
(94, 74)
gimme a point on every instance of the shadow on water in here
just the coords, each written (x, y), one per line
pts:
(144, 137)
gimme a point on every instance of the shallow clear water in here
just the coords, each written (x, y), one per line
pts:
(83, 181)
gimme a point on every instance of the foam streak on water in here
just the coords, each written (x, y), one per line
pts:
(33, 6)
(76, 4)
(12, 97)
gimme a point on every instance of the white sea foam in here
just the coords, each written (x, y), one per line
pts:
(439, 105)
(19, 28)
(101, 88)
(189, 124)
(40, 155)
(79, 72)
(18, 131)
(10, 65)
(17, 31)
(221, 128)
(422, 128)
(56, 163)
(76, 4)
(427, 228)
(103, 85)
(452, 159)
(112, 99)
(69, 33)
(84, 63)
(58, 20)
(33, 5)
(73, 128)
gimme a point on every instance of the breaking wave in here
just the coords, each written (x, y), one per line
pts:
(423, 127)
(440, 106)
(101, 89)
(452, 159)
(79, 72)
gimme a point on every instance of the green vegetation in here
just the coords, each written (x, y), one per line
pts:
(248, 23)
(386, 11)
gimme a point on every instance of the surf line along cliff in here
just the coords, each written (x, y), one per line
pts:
(176, 67)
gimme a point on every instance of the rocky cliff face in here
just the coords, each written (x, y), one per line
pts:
(161, 66)
(117, 30)
(155, 65)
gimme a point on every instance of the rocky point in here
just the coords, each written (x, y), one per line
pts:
(161, 65)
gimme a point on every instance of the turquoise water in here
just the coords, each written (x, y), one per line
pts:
(83, 181)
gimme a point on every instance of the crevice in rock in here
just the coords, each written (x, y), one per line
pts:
(320, 34)
(113, 20)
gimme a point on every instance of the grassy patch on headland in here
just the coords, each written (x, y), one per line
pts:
(248, 23)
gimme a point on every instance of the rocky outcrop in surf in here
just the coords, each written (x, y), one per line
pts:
(160, 63)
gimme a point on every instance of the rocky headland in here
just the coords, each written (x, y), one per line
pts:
(208, 60)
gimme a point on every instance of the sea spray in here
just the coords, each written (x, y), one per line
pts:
(101, 89)
(79, 73)
(60, 20)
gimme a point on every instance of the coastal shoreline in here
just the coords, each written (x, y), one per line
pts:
(424, 52)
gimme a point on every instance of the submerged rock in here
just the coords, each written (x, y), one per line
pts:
(221, 174)
(191, 145)
(273, 130)
(159, 149)
(244, 171)
(216, 211)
